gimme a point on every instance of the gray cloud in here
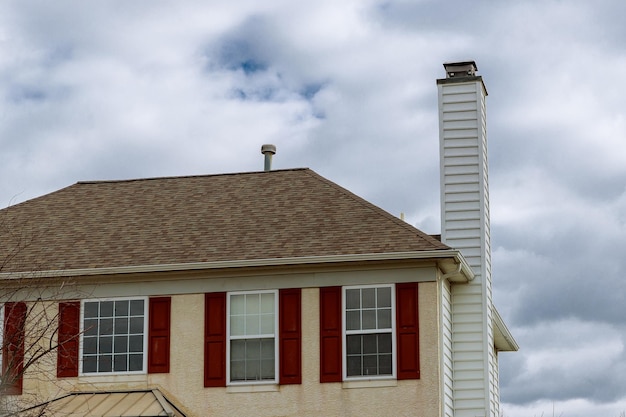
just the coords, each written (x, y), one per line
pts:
(121, 90)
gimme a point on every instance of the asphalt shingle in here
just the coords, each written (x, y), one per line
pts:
(244, 216)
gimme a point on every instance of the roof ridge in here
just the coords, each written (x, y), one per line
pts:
(377, 209)
(173, 177)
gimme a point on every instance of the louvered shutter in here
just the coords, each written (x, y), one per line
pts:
(407, 331)
(69, 331)
(215, 339)
(13, 346)
(290, 336)
(330, 334)
(159, 335)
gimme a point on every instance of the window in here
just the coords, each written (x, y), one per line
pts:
(114, 336)
(369, 335)
(245, 354)
(252, 353)
(369, 332)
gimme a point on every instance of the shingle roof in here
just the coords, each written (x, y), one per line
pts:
(257, 215)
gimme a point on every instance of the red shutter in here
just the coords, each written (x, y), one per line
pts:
(407, 331)
(13, 347)
(69, 330)
(215, 339)
(290, 336)
(159, 335)
(330, 334)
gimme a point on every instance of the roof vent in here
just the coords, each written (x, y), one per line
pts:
(461, 69)
(268, 151)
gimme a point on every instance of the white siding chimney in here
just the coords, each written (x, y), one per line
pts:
(465, 226)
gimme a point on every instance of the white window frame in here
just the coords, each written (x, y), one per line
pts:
(275, 336)
(345, 333)
(145, 337)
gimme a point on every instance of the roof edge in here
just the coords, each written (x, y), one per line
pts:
(503, 339)
(453, 254)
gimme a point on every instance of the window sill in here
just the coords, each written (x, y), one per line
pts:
(370, 383)
(99, 379)
(234, 389)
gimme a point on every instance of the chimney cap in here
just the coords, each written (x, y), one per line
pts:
(460, 69)
(271, 149)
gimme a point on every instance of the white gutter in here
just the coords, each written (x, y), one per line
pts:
(453, 254)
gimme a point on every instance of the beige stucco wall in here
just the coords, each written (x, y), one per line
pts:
(184, 383)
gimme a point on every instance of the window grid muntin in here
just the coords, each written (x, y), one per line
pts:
(386, 329)
(250, 338)
(116, 345)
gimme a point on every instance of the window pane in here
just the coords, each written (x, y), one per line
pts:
(267, 349)
(353, 299)
(106, 309)
(106, 327)
(237, 304)
(384, 362)
(135, 344)
(353, 320)
(135, 362)
(267, 369)
(384, 343)
(121, 325)
(237, 326)
(105, 363)
(237, 370)
(121, 308)
(136, 307)
(353, 345)
(267, 324)
(91, 327)
(370, 365)
(369, 297)
(253, 370)
(120, 344)
(369, 319)
(253, 349)
(136, 325)
(354, 366)
(370, 343)
(252, 304)
(267, 303)
(91, 310)
(105, 345)
(384, 319)
(90, 345)
(237, 350)
(384, 297)
(90, 363)
(120, 363)
(252, 324)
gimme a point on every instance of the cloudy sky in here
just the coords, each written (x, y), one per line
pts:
(128, 89)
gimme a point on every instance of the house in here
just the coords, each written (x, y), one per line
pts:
(272, 293)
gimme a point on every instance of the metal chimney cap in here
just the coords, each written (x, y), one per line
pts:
(460, 69)
(271, 149)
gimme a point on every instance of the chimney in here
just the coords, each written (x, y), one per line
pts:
(268, 151)
(465, 226)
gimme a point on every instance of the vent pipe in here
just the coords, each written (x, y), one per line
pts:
(268, 151)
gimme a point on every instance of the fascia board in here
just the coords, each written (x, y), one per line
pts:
(451, 254)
